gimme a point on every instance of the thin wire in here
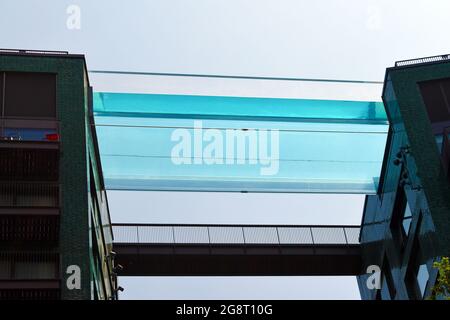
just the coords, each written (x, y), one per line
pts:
(193, 75)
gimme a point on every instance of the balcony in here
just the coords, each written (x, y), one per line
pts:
(29, 211)
(29, 275)
(29, 265)
(29, 194)
(22, 160)
(30, 290)
(29, 228)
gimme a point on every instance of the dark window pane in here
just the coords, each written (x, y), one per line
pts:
(415, 260)
(401, 210)
(422, 278)
(388, 285)
(445, 85)
(1, 94)
(407, 225)
(30, 95)
(436, 101)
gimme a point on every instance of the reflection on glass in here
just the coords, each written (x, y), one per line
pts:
(422, 278)
(320, 146)
(407, 218)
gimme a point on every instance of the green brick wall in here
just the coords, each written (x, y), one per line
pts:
(423, 145)
(71, 110)
(429, 204)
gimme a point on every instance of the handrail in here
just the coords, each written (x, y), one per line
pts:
(29, 194)
(33, 259)
(232, 225)
(33, 51)
(235, 234)
(430, 59)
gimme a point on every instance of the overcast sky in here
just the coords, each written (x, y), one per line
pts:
(334, 39)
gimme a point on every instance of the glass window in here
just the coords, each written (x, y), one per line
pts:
(435, 95)
(401, 218)
(417, 275)
(5, 268)
(30, 94)
(388, 290)
(440, 140)
(35, 270)
(407, 218)
(2, 74)
(422, 278)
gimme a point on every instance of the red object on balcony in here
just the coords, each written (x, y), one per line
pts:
(52, 137)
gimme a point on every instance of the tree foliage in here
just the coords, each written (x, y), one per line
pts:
(441, 289)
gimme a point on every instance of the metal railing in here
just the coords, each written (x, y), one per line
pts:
(32, 51)
(29, 194)
(29, 265)
(30, 294)
(235, 234)
(422, 60)
(29, 164)
(29, 228)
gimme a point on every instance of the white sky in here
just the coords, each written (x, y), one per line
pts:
(334, 39)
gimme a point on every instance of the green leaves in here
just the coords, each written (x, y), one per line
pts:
(441, 289)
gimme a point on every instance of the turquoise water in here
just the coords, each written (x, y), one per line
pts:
(324, 146)
(237, 107)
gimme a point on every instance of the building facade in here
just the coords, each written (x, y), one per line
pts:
(406, 226)
(55, 229)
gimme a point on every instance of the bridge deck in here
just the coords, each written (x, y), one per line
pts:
(236, 250)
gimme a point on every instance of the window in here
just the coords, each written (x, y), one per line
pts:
(29, 265)
(436, 96)
(378, 295)
(422, 278)
(417, 275)
(2, 75)
(28, 94)
(407, 218)
(401, 219)
(388, 290)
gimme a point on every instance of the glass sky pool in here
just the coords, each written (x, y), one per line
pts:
(160, 142)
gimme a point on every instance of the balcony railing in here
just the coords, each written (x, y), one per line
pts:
(402, 63)
(42, 52)
(29, 164)
(29, 228)
(31, 290)
(235, 234)
(31, 265)
(29, 194)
